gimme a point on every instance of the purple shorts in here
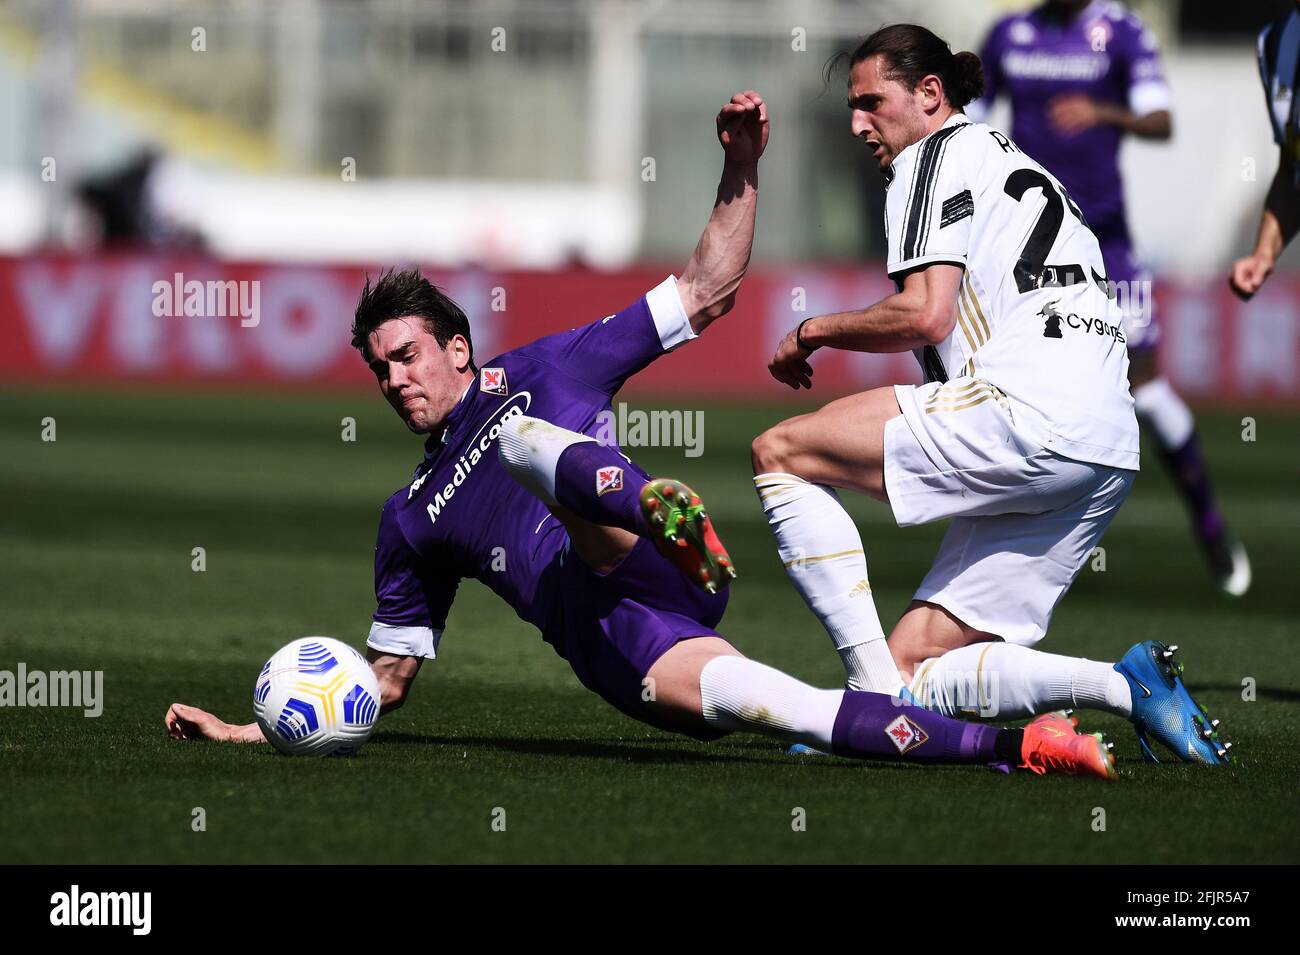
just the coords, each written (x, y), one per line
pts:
(613, 628)
(1133, 290)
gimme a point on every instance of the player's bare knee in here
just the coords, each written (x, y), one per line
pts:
(922, 632)
(908, 653)
(772, 450)
(760, 452)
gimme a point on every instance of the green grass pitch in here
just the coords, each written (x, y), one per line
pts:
(95, 544)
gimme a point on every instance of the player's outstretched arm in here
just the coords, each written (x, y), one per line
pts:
(189, 722)
(922, 313)
(1073, 113)
(394, 673)
(711, 278)
(1277, 227)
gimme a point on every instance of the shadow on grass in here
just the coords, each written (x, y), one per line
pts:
(645, 751)
(653, 752)
(1261, 692)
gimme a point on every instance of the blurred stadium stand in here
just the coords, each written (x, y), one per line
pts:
(490, 164)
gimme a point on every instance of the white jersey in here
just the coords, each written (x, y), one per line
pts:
(1033, 316)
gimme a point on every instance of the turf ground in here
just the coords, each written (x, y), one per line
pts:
(95, 546)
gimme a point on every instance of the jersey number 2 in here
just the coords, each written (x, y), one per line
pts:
(1028, 270)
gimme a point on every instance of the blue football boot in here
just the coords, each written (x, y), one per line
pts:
(1162, 707)
(800, 749)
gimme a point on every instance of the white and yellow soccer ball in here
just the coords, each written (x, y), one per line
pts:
(316, 697)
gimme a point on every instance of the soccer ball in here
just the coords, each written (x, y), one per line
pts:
(316, 697)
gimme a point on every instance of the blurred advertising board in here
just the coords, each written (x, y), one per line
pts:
(149, 318)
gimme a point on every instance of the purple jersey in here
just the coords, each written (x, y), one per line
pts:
(1103, 52)
(464, 516)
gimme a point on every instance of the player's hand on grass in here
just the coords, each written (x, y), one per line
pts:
(190, 722)
(790, 363)
(1248, 274)
(743, 127)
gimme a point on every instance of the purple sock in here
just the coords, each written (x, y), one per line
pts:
(1187, 467)
(597, 483)
(876, 726)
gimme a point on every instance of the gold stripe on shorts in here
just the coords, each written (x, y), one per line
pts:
(970, 404)
(968, 398)
(952, 391)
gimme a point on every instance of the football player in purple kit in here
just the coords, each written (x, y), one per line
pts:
(1080, 75)
(582, 544)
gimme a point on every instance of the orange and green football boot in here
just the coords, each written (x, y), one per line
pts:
(681, 530)
(1053, 745)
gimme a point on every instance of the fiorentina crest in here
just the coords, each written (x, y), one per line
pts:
(608, 479)
(493, 381)
(905, 734)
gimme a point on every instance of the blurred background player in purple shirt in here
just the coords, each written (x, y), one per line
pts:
(1079, 75)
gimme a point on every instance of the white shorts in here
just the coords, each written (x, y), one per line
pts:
(1024, 519)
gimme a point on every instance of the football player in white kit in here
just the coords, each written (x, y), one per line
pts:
(1023, 434)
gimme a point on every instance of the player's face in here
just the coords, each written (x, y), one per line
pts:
(418, 377)
(886, 115)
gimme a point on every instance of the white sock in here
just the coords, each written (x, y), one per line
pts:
(823, 555)
(1007, 681)
(1160, 408)
(530, 448)
(743, 694)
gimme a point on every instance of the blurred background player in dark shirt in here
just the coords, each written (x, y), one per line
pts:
(1279, 70)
